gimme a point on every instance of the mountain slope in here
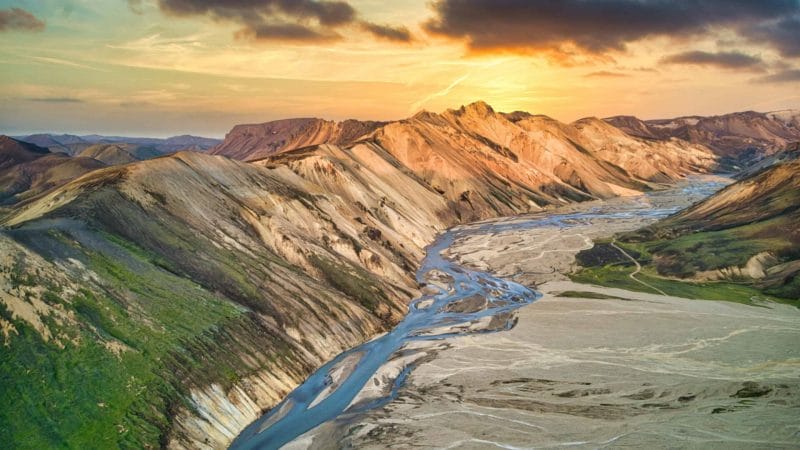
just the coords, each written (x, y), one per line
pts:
(250, 142)
(72, 145)
(113, 154)
(486, 164)
(27, 170)
(742, 136)
(746, 234)
(202, 277)
(537, 139)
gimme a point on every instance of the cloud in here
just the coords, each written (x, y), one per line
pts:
(722, 60)
(55, 100)
(19, 19)
(785, 76)
(441, 93)
(397, 34)
(606, 74)
(783, 35)
(283, 20)
(63, 62)
(596, 27)
(285, 32)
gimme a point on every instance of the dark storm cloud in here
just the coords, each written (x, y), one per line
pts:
(786, 76)
(19, 19)
(724, 60)
(294, 20)
(594, 26)
(286, 32)
(783, 35)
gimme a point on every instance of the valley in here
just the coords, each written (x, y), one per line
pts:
(278, 270)
(589, 366)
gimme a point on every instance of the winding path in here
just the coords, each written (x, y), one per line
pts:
(633, 274)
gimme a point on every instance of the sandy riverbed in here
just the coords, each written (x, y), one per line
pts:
(643, 370)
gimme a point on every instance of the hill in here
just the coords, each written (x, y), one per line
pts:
(27, 170)
(746, 235)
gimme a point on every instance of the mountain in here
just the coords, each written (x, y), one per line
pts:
(742, 136)
(789, 116)
(747, 234)
(14, 152)
(72, 145)
(486, 163)
(249, 142)
(190, 283)
(27, 170)
(56, 143)
(113, 154)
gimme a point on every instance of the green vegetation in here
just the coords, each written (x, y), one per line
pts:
(618, 277)
(113, 377)
(708, 250)
(588, 294)
(351, 281)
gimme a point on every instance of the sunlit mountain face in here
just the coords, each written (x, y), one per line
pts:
(167, 67)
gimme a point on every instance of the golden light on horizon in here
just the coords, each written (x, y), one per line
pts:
(162, 73)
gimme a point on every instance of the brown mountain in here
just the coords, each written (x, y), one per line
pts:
(743, 136)
(486, 163)
(27, 170)
(113, 154)
(249, 142)
(201, 277)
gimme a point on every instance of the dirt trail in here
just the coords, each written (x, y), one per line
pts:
(633, 274)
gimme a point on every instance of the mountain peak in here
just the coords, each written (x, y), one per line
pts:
(479, 107)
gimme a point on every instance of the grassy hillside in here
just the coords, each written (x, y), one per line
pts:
(129, 294)
(742, 242)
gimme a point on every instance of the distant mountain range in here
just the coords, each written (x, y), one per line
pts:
(72, 144)
(742, 137)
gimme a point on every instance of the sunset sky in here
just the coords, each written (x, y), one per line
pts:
(167, 67)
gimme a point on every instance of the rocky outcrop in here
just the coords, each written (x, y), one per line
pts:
(756, 268)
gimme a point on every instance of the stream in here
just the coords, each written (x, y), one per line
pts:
(456, 301)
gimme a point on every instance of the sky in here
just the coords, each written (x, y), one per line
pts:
(169, 67)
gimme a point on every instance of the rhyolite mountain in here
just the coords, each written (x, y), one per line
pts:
(27, 169)
(741, 137)
(168, 302)
(254, 141)
(486, 163)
